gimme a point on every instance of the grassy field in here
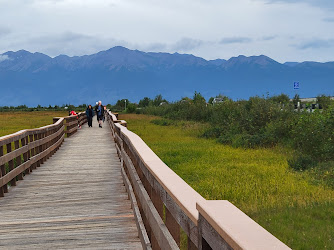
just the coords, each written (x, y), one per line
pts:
(288, 204)
(11, 122)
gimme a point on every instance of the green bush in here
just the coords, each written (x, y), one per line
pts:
(131, 108)
(213, 132)
(313, 135)
(225, 138)
(301, 162)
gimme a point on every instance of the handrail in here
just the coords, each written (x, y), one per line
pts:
(72, 122)
(179, 205)
(32, 147)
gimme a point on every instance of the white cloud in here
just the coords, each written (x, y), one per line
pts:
(3, 58)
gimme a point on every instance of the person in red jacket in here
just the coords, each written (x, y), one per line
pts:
(74, 113)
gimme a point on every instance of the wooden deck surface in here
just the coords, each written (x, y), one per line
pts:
(75, 200)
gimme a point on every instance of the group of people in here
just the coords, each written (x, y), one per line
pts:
(99, 111)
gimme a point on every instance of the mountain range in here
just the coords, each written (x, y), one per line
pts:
(35, 78)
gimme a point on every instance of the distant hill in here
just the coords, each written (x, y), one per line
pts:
(35, 78)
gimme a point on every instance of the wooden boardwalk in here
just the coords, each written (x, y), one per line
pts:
(75, 200)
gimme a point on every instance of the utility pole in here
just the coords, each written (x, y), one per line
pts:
(125, 103)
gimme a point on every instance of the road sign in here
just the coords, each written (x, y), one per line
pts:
(296, 85)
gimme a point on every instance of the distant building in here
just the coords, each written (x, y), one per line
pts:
(310, 99)
(217, 100)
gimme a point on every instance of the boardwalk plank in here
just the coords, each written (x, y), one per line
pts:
(75, 200)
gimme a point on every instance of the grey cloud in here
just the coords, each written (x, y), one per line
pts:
(153, 47)
(4, 31)
(3, 58)
(72, 36)
(231, 40)
(316, 44)
(72, 43)
(268, 38)
(186, 44)
(327, 4)
(330, 19)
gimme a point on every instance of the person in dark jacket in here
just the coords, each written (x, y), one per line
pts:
(90, 114)
(99, 113)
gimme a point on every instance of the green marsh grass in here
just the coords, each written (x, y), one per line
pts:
(11, 122)
(288, 204)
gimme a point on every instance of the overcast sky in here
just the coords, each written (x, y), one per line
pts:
(285, 30)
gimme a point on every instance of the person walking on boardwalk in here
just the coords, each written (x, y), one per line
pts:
(99, 113)
(90, 114)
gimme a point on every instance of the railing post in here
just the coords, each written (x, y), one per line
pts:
(173, 227)
(36, 138)
(32, 152)
(45, 145)
(11, 164)
(191, 245)
(49, 143)
(66, 126)
(18, 159)
(2, 173)
(41, 147)
(157, 202)
(24, 141)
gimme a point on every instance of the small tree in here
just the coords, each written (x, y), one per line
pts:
(296, 99)
(324, 101)
(282, 99)
(131, 108)
(198, 98)
(120, 104)
(157, 100)
(144, 102)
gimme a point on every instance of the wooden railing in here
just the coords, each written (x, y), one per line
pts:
(31, 148)
(164, 204)
(72, 123)
(26, 150)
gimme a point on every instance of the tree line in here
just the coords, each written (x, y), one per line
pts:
(39, 107)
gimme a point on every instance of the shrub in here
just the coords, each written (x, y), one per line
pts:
(324, 101)
(225, 138)
(301, 162)
(131, 108)
(312, 135)
(213, 132)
